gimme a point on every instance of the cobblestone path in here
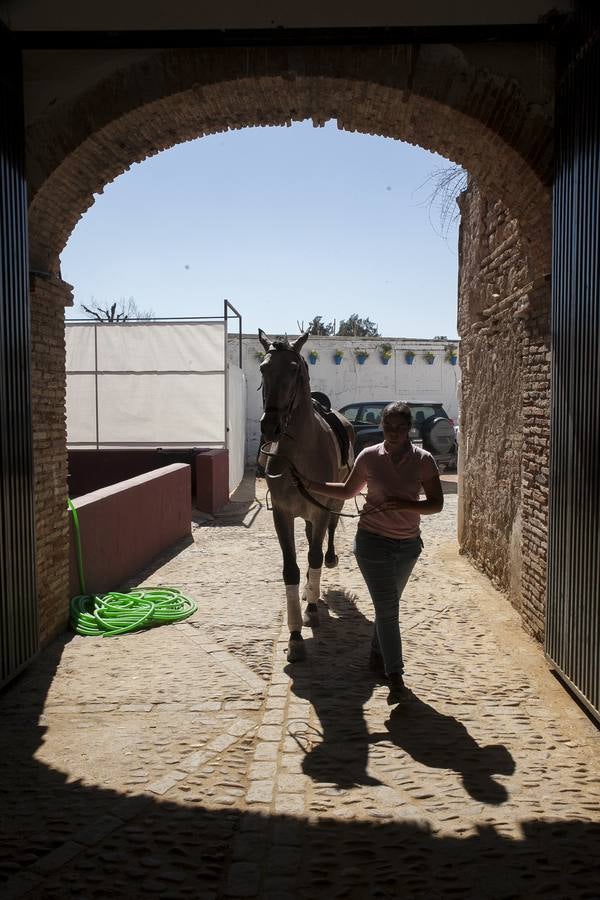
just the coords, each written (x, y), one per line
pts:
(193, 761)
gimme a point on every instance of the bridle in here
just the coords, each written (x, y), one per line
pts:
(300, 381)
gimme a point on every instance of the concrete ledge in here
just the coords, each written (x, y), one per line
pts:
(124, 526)
(212, 480)
(90, 470)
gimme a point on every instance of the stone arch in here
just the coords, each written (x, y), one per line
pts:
(439, 97)
(429, 96)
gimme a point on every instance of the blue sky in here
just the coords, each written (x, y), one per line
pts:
(286, 223)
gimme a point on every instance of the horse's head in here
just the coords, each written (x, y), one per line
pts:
(284, 377)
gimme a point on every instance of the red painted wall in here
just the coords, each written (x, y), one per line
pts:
(124, 526)
(212, 480)
(91, 470)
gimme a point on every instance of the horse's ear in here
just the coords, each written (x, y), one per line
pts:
(300, 342)
(264, 339)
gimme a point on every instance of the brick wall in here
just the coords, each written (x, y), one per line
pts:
(503, 322)
(488, 108)
(48, 381)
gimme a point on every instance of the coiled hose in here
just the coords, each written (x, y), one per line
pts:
(115, 613)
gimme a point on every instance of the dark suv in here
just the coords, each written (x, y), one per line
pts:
(432, 428)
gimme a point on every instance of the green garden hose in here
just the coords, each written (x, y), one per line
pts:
(115, 613)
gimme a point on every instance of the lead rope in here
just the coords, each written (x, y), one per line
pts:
(308, 496)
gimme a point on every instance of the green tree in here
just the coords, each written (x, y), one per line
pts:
(318, 326)
(354, 326)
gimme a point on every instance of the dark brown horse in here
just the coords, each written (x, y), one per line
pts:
(298, 440)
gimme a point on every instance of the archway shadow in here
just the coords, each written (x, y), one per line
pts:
(337, 682)
(65, 838)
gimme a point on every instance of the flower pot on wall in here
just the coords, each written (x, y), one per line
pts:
(338, 358)
(409, 358)
(360, 358)
(451, 355)
(312, 358)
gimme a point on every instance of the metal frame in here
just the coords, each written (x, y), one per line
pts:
(229, 312)
(572, 638)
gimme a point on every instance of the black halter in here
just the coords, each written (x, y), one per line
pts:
(301, 381)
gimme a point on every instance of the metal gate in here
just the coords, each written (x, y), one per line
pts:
(18, 604)
(573, 616)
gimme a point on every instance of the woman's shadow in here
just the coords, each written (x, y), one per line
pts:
(442, 742)
(337, 682)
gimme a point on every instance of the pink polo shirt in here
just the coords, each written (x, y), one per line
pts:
(386, 480)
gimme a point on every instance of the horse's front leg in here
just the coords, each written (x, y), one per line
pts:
(331, 559)
(284, 526)
(312, 589)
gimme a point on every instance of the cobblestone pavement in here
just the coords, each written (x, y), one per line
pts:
(193, 761)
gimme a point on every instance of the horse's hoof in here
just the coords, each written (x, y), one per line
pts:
(311, 615)
(296, 650)
(331, 561)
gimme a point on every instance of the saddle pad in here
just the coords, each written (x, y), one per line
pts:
(337, 426)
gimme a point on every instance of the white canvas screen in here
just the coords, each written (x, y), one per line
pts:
(161, 409)
(81, 409)
(161, 347)
(159, 384)
(80, 348)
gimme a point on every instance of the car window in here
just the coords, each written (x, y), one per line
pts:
(420, 412)
(350, 412)
(370, 414)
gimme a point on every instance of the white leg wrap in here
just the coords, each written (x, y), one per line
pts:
(294, 615)
(312, 591)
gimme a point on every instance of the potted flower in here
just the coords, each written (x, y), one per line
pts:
(361, 354)
(451, 356)
(260, 355)
(409, 356)
(385, 352)
(338, 356)
(313, 356)
(429, 357)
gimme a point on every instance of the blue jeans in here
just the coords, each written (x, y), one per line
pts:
(386, 565)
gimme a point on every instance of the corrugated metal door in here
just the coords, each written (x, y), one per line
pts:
(573, 617)
(18, 605)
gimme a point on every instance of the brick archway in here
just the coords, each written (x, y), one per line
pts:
(429, 97)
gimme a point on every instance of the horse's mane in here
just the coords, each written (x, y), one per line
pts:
(281, 345)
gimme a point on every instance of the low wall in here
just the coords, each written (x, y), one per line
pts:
(124, 526)
(91, 470)
(212, 480)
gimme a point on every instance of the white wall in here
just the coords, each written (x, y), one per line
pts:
(351, 382)
(236, 424)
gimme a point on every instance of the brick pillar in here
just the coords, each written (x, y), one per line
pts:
(504, 323)
(48, 385)
(535, 314)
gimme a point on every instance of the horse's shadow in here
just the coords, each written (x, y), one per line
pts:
(336, 680)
